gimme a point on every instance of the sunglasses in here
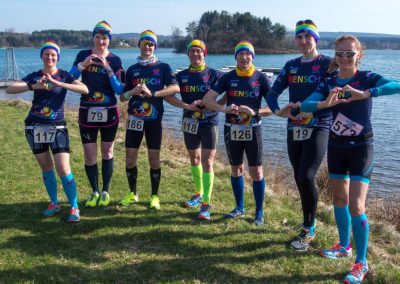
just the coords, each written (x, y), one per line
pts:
(147, 43)
(347, 54)
(308, 22)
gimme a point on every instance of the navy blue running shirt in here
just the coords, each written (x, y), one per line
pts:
(193, 86)
(357, 111)
(302, 78)
(246, 91)
(156, 77)
(48, 105)
(95, 77)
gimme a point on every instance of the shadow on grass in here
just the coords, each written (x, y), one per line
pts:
(119, 246)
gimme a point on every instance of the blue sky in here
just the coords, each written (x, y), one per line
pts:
(375, 16)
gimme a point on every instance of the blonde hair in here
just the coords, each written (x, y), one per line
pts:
(359, 47)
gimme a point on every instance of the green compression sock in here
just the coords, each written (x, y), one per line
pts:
(208, 182)
(197, 172)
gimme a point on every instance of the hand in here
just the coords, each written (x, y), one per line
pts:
(51, 82)
(332, 99)
(246, 110)
(287, 109)
(41, 84)
(232, 109)
(356, 94)
(145, 92)
(195, 106)
(137, 90)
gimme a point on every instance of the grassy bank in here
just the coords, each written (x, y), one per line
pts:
(121, 245)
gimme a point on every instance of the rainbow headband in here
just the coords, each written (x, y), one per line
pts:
(50, 44)
(309, 28)
(198, 43)
(244, 46)
(103, 28)
(148, 35)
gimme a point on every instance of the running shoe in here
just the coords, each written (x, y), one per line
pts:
(129, 199)
(104, 199)
(193, 201)
(204, 213)
(357, 273)
(51, 209)
(93, 199)
(258, 221)
(303, 240)
(235, 214)
(74, 215)
(155, 202)
(335, 252)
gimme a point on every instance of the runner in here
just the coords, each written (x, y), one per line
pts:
(199, 125)
(245, 88)
(101, 71)
(147, 82)
(307, 136)
(349, 95)
(45, 126)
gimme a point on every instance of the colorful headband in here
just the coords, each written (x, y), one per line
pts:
(244, 46)
(198, 43)
(50, 44)
(309, 27)
(103, 28)
(148, 35)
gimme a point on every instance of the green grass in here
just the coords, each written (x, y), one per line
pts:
(126, 245)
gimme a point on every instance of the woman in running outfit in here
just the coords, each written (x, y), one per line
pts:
(101, 71)
(245, 87)
(307, 135)
(199, 125)
(147, 83)
(45, 126)
(349, 93)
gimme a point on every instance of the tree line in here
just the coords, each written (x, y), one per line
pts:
(221, 31)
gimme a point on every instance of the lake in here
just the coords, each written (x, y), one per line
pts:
(386, 121)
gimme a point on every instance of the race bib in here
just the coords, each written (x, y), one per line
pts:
(241, 133)
(344, 126)
(134, 123)
(190, 125)
(97, 114)
(44, 134)
(301, 133)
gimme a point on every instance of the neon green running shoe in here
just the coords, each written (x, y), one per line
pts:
(104, 199)
(155, 202)
(129, 199)
(93, 199)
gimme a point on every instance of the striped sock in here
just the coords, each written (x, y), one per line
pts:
(50, 182)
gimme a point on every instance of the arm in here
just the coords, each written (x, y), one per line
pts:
(272, 100)
(116, 84)
(316, 101)
(171, 89)
(210, 102)
(385, 87)
(173, 100)
(17, 87)
(76, 86)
